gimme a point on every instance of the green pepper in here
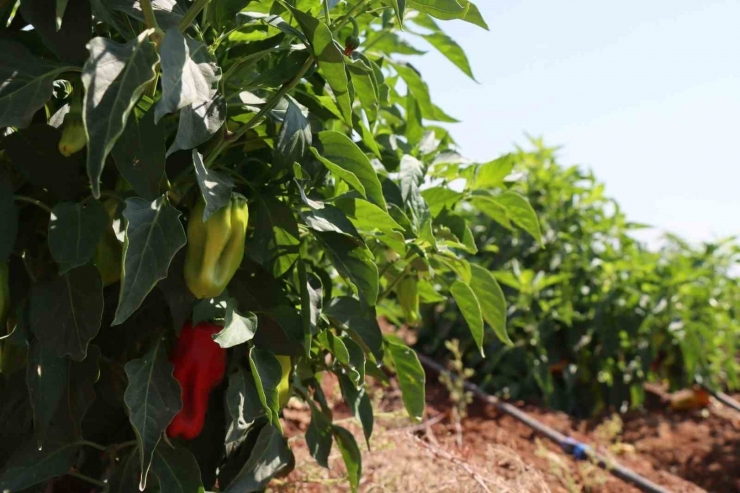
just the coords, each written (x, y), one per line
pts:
(351, 43)
(215, 247)
(284, 385)
(74, 137)
(108, 253)
(408, 297)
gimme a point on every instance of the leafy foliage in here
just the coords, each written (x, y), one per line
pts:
(330, 145)
(593, 313)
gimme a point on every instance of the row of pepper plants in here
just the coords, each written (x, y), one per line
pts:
(204, 206)
(593, 313)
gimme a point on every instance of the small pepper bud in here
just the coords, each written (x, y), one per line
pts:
(351, 43)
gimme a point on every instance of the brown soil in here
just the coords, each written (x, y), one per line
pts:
(683, 452)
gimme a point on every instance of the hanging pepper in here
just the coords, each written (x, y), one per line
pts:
(200, 364)
(215, 247)
(74, 137)
(351, 43)
(284, 386)
(4, 296)
(108, 253)
(407, 291)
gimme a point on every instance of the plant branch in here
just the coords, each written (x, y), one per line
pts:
(327, 16)
(94, 445)
(269, 105)
(149, 19)
(191, 14)
(88, 479)
(345, 19)
(37, 203)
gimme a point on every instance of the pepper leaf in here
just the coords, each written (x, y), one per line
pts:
(238, 328)
(215, 187)
(153, 399)
(74, 232)
(350, 453)
(267, 372)
(411, 378)
(139, 155)
(66, 312)
(154, 235)
(198, 123)
(46, 377)
(270, 456)
(115, 76)
(176, 470)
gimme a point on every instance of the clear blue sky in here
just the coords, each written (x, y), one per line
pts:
(645, 93)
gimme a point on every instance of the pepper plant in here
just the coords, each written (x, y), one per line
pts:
(204, 207)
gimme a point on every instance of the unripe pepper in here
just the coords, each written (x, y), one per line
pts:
(215, 247)
(407, 291)
(108, 253)
(200, 364)
(284, 386)
(351, 43)
(74, 137)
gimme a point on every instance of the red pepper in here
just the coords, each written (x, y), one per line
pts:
(200, 365)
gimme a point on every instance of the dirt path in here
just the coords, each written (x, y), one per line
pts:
(688, 452)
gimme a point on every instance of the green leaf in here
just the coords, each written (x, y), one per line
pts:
(46, 377)
(459, 227)
(491, 175)
(360, 321)
(74, 232)
(330, 59)
(350, 454)
(439, 198)
(294, 138)
(215, 187)
(414, 125)
(27, 83)
(267, 372)
(275, 241)
(335, 345)
(366, 87)
(198, 123)
(474, 16)
(66, 312)
(319, 436)
(520, 211)
(270, 456)
(399, 6)
(35, 153)
(331, 219)
(139, 155)
(311, 303)
(450, 50)
(153, 399)
(353, 262)
(154, 235)
(420, 91)
(31, 464)
(491, 208)
(441, 9)
(176, 470)
(66, 41)
(115, 76)
(410, 176)
(79, 392)
(189, 73)
(356, 360)
(340, 153)
(470, 308)
(359, 402)
(243, 406)
(8, 217)
(369, 218)
(237, 329)
(491, 299)
(411, 378)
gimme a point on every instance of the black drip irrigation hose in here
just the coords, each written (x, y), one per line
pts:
(723, 398)
(569, 445)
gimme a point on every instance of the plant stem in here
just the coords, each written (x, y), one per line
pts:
(269, 105)
(37, 203)
(345, 19)
(94, 445)
(326, 13)
(88, 479)
(149, 19)
(393, 283)
(191, 14)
